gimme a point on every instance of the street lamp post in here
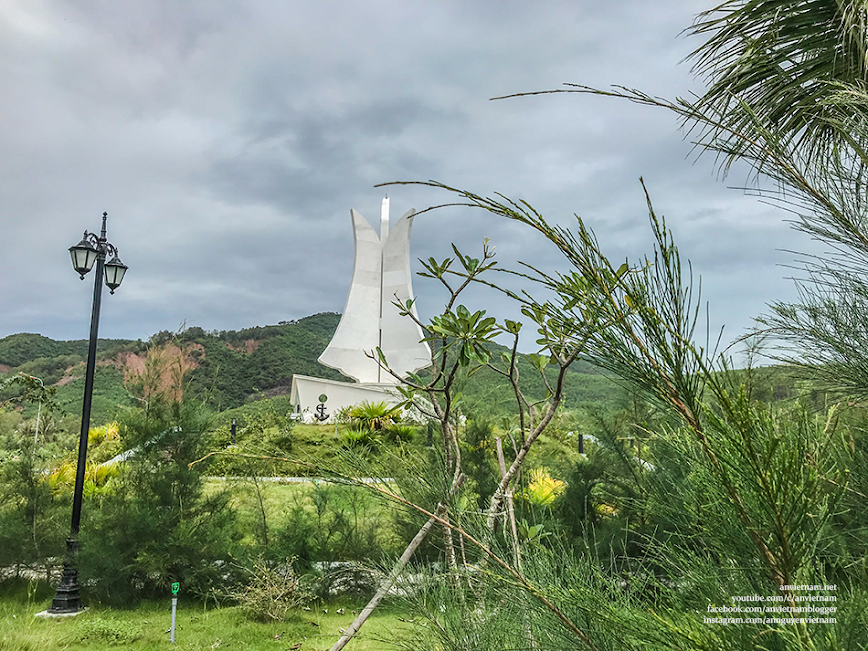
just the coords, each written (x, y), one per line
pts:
(90, 250)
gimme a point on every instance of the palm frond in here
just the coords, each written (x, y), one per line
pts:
(783, 58)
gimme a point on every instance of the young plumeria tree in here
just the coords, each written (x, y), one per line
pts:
(461, 346)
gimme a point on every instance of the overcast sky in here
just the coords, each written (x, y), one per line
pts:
(228, 141)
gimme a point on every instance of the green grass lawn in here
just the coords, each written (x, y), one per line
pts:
(315, 447)
(197, 627)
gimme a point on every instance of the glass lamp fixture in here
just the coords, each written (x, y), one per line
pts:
(83, 255)
(114, 273)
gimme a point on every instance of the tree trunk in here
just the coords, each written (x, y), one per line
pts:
(516, 551)
(390, 580)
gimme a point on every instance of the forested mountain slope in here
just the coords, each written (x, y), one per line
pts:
(229, 368)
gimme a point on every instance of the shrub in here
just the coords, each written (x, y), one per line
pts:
(156, 526)
(342, 416)
(478, 456)
(543, 489)
(375, 415)
(273, 591)
(362, 437)
(332, 524)
(400, 433)
(32, 523)
(96, 476)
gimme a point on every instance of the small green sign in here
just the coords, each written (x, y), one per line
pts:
(175, 588)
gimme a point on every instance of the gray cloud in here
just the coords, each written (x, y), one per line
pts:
(228, 140)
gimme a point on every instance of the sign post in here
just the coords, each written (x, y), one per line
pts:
(175, 587)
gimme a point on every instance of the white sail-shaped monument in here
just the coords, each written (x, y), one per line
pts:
(371, 320)
(381, 275)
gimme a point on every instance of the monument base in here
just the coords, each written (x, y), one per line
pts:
(306, 392)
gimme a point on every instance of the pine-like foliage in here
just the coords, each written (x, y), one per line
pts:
(153, 524)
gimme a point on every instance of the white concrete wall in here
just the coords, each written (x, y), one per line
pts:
(307, 390)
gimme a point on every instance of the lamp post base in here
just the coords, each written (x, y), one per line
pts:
(47, 614)
(67, 599)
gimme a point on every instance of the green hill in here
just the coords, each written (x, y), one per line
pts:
(232, 367)
(236, 367)
(19, 349)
